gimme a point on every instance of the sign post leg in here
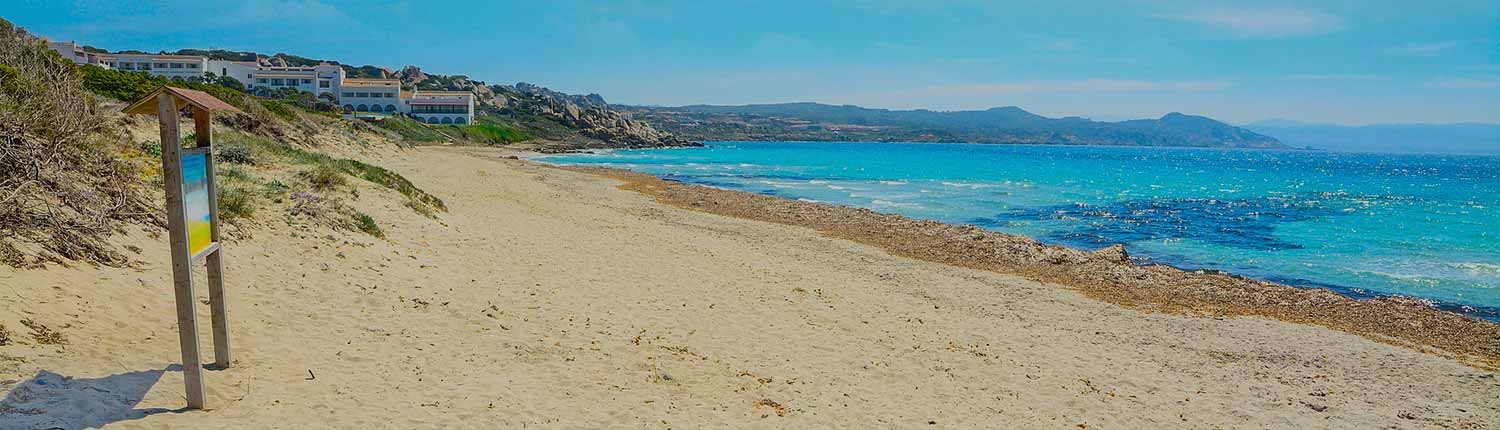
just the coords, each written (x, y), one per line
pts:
(217, 303)
(182, 275)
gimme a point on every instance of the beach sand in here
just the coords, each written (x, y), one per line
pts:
(552, 298)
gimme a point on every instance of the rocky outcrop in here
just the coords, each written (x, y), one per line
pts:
(589, 114)
(562, 122)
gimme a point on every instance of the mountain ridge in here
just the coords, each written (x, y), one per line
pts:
(999, 125)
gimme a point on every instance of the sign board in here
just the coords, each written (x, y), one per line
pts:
(193, 221)
(195, 201)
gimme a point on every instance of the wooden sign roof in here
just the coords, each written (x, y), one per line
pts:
(184, 97)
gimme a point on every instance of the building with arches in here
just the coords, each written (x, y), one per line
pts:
(370, 95)
(441, 107)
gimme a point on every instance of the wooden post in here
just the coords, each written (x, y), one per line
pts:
(182, 262)
(218, 304)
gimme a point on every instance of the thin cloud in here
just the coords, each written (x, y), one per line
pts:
(1464, 83)
(1079, 86)
(1336, 77)
(1262, 23)
(1425, 48)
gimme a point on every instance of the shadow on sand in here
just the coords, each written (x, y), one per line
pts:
(52, 401)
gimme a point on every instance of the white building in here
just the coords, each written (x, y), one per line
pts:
(319, 79)
(239, 70)
(371, 95)
(167, 66)
(72, 51)
(441, 107)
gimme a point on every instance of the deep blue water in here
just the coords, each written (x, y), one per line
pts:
(1425, 226)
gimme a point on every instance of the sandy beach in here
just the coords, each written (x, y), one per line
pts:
(553, 298)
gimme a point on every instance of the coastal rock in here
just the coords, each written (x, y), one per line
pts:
(590, 115)
(1115, 253)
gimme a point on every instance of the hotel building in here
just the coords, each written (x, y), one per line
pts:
(371, 95)
(73, 51)
(167, 66)
(319, 79)
(442, 107)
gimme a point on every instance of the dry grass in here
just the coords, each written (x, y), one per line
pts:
(63, 188)
(43, 334)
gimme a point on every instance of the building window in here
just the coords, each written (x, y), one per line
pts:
(306, 81)
(361, 95)
(143, 66)
(459, 120)
(348, 94)
(362, 108)
(390, 108)
(176, 65)
(323, 84)
(349, 108)
(192, 65)
(276, 81)
(261, 80)
(447, 120)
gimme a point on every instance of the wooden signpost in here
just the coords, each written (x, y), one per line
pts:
(193, 221)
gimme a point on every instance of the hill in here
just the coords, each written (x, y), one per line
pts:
(1010, 124)
(536, 117)
(1461, 138)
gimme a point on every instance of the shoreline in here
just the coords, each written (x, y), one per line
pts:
(1482, 312)
(1107, 274)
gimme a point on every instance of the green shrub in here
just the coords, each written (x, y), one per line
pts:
(367, 225)
(281, 110)
(324, 177)
(496, 134)
(131, 86)
(152, 147)
(235, 174)
(410, 130)
(237, 153)
(236, 203)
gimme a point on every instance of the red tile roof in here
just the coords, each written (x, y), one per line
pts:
(184, 97)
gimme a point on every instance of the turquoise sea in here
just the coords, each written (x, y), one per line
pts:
(1362, 224)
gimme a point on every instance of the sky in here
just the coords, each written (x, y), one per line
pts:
(1346, 62)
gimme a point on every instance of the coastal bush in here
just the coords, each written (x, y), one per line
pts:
(495, 134)
(281, 110)
(410, 130)
(367, 225)
(152, 148)
(63, 187)
(236, 203)
(324, 177)
(130, 86)
(235, 152)
(486, 132)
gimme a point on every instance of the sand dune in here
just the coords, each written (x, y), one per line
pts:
(550, 298)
